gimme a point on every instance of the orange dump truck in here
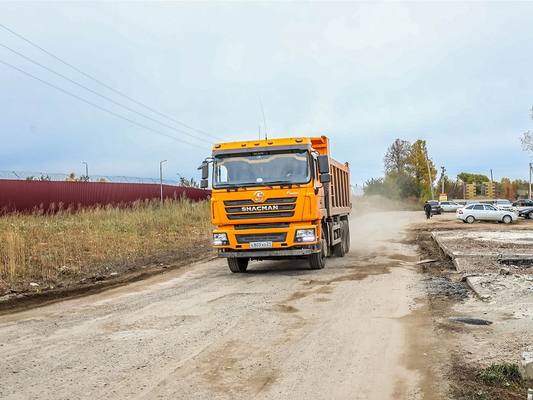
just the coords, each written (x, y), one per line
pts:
(278, 198)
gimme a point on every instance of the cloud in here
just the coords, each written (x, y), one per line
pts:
(455, 74)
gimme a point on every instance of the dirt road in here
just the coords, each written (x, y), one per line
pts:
(355, 330)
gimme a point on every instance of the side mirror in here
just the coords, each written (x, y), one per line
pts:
(204, 183)
(325, 178)
(323, 164)
(205, 169)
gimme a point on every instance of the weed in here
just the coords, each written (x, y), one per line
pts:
(503, 374)
(47, 248)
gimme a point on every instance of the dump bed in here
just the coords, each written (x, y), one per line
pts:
(340, 191)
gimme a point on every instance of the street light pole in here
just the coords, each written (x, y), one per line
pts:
(530, 171)
(442, 179)
(161, 178)
(86, 169)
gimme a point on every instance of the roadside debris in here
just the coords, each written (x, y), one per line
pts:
(471, 321)
(527, 365)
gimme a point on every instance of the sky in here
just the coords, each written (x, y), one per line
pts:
(458, 75)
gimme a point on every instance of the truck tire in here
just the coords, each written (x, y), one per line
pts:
(238, 265)
(318, 260)
(348, 240)
(340, 248)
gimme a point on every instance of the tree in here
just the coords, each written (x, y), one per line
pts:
(468, 177)
(421, 168)
(507, 189)
(527, 141)
(527, 138)
(188, 182)
(397, 157)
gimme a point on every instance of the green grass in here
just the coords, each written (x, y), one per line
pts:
(503, 374)
(46, 248)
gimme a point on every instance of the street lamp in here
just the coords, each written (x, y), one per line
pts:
(530, 172)
(86, 170)
(161, 178)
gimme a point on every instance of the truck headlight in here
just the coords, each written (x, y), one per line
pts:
(220, 239)
(305, 235)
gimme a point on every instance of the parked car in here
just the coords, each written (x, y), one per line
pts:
(523, 203)
(435, 207)
(502, 204)
(485, 212)
(450, 206)
(526, 212)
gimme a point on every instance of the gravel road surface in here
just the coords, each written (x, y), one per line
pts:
(355, 330)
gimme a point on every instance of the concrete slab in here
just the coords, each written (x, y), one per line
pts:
(527, 365)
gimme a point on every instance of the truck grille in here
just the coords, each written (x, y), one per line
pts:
(261, 215)
(271, 208)
(263, 226)
(261, 237)
(274, 200)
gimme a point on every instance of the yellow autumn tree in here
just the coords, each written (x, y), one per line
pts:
(421, 168)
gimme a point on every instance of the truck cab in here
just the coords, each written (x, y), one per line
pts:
(278, 198)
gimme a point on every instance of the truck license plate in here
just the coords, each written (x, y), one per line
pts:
(260, 245)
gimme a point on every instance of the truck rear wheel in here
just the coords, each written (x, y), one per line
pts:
(340, 248)
(347, 235)
(237, 265)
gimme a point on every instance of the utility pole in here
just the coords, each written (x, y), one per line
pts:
(86, 169)
(442, 178)
(492, 185)
(530, 171)
(161, 179)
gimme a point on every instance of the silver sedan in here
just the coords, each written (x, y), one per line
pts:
(485, 212)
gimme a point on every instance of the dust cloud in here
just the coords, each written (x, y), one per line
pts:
(377, 225)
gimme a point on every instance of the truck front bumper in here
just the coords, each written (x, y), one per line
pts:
(270, 253)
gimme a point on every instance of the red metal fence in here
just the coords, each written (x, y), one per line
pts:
(17, 195)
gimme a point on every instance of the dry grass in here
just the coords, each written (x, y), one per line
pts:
(47, 248)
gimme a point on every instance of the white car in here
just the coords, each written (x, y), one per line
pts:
(450, 206)
(503, 204)
(485, 212)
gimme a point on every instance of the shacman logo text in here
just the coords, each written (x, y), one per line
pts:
(259, 208)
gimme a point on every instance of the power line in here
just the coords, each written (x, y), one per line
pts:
(96, 93)
(98, 106)
(104, 84)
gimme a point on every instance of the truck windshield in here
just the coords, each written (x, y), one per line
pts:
(261, 169)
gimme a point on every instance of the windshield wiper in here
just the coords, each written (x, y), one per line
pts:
(244, 184)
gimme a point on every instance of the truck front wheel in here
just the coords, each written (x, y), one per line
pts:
(318, 260)
(237, 265)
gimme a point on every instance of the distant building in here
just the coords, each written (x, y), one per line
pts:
(483, 190)
(470, 191)
(488, 189)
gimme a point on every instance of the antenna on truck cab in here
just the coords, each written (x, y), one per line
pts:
(264, 118)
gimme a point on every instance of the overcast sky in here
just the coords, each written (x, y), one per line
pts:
(459, 75)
